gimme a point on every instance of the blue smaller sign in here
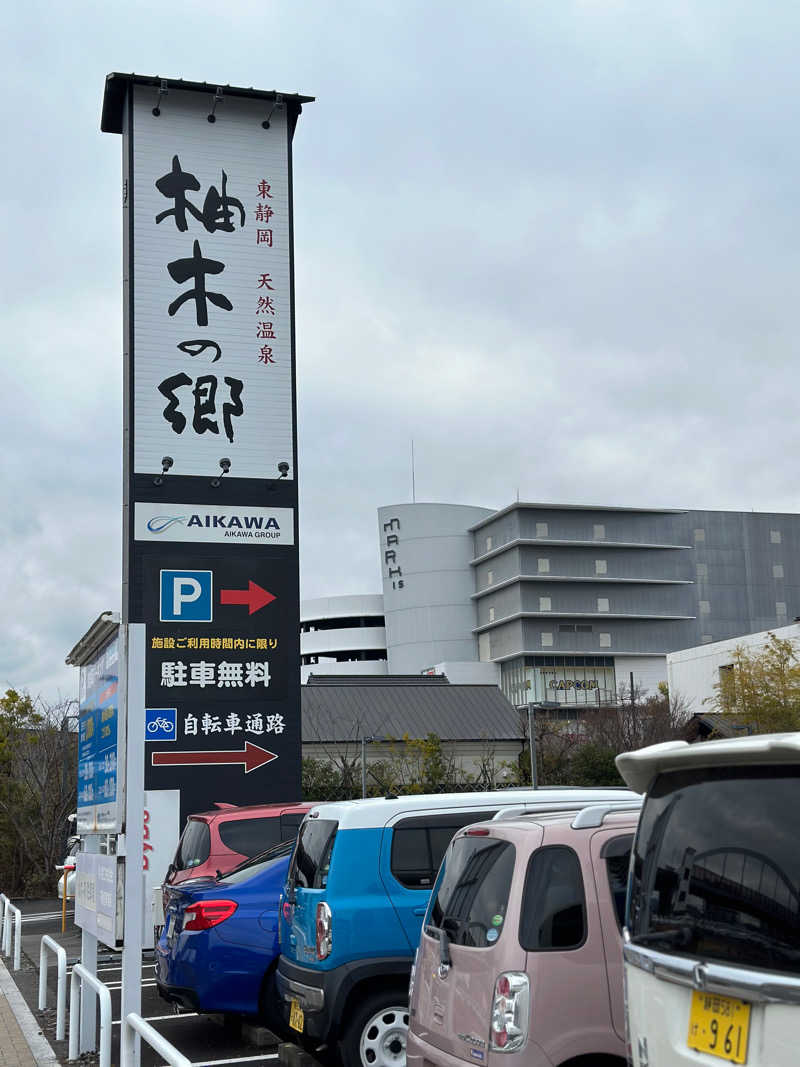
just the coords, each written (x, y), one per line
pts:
(160, 724)
(187, 596)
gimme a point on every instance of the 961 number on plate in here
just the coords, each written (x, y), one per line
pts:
(719, 1026)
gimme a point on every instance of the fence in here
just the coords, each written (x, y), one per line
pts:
(61, 997)
(79, 976)
(134, 1024)
(5, 941)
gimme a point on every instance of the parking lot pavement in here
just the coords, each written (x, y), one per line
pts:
(205, 1040)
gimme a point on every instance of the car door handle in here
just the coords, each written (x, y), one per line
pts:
(420, 911)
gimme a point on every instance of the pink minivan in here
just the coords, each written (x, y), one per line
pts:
(520, 955)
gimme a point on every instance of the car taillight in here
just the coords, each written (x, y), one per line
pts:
(208, 913)
(510, 1010)
(324, 931)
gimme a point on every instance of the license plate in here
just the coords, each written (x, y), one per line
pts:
(296, 1017)
(719, 1026)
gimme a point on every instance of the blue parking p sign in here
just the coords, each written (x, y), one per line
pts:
(160, 724)
(187, 596)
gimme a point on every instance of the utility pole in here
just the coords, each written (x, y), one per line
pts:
(532, 748)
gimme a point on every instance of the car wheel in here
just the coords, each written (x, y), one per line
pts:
(377, 1032)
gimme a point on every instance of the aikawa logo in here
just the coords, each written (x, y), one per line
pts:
(159, 523)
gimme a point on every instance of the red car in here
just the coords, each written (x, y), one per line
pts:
(218, 840)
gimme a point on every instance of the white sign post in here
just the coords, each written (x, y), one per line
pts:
(134, 826)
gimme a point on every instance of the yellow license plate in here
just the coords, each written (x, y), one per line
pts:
(719, 1026)
(296, 1018)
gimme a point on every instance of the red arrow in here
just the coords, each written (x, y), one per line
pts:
(251, 756)
(254, 596)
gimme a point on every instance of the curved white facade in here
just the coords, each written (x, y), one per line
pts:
(428, 581)
(342, 635)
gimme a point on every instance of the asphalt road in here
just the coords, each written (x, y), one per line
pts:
(205, 1040)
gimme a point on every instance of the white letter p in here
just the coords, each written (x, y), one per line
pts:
(184, 591)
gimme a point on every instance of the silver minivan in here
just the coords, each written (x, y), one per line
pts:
(712, 938)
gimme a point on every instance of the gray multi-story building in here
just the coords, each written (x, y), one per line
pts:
(567, 603)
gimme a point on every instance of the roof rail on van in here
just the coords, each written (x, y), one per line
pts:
(594, 814)
(540, 807)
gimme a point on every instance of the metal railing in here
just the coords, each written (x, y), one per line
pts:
(5, 943)
(79, 976)
(134, 1024)
(4, 902)
(61, 996)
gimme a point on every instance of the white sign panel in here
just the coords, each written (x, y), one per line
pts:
(161, 832)
(211, 292)
(98, 897)
(195, 523)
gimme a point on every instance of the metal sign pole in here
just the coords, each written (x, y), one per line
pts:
(134, 645)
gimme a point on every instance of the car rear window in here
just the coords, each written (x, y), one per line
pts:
(716, 867)
(553, 902)
(312, 855)
(471, 899)
(194, 846)
(250, 836)
(420, 842)
(259, 863)
(617, 855)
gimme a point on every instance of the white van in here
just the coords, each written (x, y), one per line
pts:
(712, 937)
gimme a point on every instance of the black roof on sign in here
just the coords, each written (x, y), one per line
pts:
(117, 85)
(332, 713)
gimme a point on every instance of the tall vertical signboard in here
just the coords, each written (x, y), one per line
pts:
(98, 808)
(211, 537)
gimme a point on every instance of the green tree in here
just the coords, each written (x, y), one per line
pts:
(594, 765)
(38, 783)
(761, 688)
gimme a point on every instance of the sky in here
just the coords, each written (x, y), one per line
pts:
(555, 243)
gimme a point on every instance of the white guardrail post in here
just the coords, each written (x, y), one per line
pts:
(5, 902)
(79, 976)
(5, 947)
(61, 997)
(134, 1024)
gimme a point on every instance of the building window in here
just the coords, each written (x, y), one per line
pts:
(699, 535)
(775, 537)
(491, 614)
(598, 531)
(705, 607)
(780, 609)
(545, 603)
(602, 603)
(702, 570)
(567, 628)
(605, 640)
(581, 628)
(541, 529)
(777, 570)
(547, 639)
(600, 566)
(484, 647)
(544, 566)
(488, 544)
(489, 577)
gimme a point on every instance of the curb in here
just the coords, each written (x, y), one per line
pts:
(31, 1031)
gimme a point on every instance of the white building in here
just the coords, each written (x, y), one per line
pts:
(692, 673)
(342, 635)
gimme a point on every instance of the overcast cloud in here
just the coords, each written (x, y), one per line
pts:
(556, 243)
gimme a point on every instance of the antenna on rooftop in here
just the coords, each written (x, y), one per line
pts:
(413, 481)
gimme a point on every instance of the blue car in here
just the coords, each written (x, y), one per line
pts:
(219, 947)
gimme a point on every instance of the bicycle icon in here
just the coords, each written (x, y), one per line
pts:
(160, 724)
